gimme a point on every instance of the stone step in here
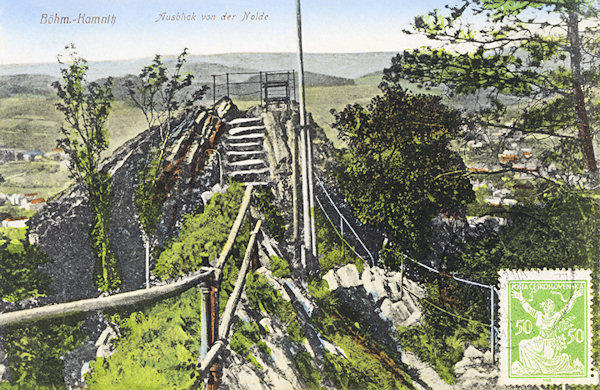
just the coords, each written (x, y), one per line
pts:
(245, 137)
(258, 183)
(244, 152)
(235, 156)
(240, 130)
(239, 121)
(256, 145)
(248, 162)
(249, 172)
(254, 176)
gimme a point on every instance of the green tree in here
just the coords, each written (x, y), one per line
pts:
(399, 171)
(160, 95)
(86, 107)
(527, 66)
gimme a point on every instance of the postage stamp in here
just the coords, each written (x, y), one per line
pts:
(546, 327)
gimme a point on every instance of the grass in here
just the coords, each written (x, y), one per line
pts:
(443, 352)
(333, 250)
(29, 122)
(246, 335)
(35, 351)
(158, 349)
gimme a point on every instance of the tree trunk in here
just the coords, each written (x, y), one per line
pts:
(581, 116)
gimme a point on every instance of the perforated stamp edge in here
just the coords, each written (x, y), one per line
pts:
(507, 275)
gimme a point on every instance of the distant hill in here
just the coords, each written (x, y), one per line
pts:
(312, 79)
(346, 65)
(40, 84)
(28, 84)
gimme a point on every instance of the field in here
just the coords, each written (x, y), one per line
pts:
(32, 122)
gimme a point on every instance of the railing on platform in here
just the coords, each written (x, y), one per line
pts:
(267, 87)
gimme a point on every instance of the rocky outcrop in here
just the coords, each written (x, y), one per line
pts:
(395, 297)
(61, 229)
(279, 369)
(99, 344)
(476, 370)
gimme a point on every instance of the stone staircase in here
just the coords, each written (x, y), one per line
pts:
(245, 157)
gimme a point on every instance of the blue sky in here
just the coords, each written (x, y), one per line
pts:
(329, 26)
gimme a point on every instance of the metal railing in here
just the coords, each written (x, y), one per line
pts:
(493, 291)
(263, 86)
(344, 221)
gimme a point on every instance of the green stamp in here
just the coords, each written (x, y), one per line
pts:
(545, 327)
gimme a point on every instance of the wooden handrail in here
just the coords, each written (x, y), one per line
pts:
(227, 319)
(228, 314)
(235, 229)
(93, 304)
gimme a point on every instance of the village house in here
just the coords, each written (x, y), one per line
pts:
(33, 155)
(17, 222)
(56, 154)
(35, 204)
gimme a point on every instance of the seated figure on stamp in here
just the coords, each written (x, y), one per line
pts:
(543, 354)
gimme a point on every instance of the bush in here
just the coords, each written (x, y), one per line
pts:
(203, 235)
(367, 365)
(309, 374)
(333, 250)
(399, 171)
(280, 267)
(19, 276)
(35, 351)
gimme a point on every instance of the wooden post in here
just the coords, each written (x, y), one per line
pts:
(266, 87)
(204, 303)
(306, 233)
(402, 277)
(295, 198)
(147, 246)
(227, 76)
(255, 259)
(213, 332)
(261, 87)
(214, 89)
(492, 346)
(305, 151)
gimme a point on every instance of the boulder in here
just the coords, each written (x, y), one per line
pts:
(331, 279)
(226, 109)
(74, 362)
(379, 282)
(104, 343)
(3, 373)
(473, 353)
(488, 358)
(242, 375)
(395, 288)
(390, 312)
(348, 276)
(462, 366)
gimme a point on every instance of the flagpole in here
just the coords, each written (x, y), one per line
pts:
(309, 232)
